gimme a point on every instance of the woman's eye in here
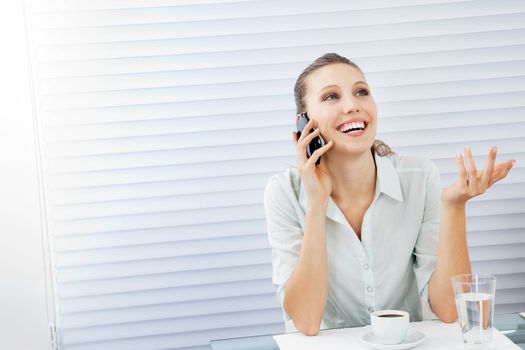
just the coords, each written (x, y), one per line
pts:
(330, 97)
(362, 92)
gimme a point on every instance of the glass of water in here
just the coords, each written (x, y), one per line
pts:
(475, 305)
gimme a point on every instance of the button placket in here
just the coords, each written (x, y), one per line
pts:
(368, 283)
(368, 273)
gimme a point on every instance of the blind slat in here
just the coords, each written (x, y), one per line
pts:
(185, 341)
(178, 252)
(169, 310)
(166, 295)
(162, 234)
(148, 15)
(508, 251)
(181, 218)
(164, 327)
(256, 25)
(498, 28)
(167, 280)
(508, 266)
(237, 63)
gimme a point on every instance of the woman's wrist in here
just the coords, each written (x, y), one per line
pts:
(317, 208)
(457, 203)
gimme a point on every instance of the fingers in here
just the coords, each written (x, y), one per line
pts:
(318, 153)
(306, 130)
(462, 172)
(478, 183)
(500, 171)
(304, 142)
(489, 168)
(307, 136)
(295, 137)
(472, 176)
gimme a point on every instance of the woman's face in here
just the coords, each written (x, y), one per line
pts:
(340, 101)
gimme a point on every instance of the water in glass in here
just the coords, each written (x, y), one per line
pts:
(475, 311)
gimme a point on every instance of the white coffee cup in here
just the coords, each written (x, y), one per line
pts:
(390, 326)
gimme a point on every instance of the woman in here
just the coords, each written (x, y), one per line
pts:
(365, 229)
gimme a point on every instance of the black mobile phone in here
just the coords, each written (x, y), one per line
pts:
(316, 143)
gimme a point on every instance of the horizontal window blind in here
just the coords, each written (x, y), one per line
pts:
(161, 121)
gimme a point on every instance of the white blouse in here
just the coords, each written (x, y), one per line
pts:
(390, 267)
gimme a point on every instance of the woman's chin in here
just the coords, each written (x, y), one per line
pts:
(355, 146)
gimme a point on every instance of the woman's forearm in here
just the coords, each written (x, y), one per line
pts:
(307, 288)
(452, 259)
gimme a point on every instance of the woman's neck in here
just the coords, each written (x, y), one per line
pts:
(353, 178)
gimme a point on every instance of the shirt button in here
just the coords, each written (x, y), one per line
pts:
(366, 266)
(369, 289)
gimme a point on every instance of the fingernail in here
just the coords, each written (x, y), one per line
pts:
(512, 162)
(494, 149)
(467, 148)
(458, 155)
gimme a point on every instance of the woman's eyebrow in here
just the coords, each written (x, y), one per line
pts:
(360, 82)
(337, 86)
(327, 87)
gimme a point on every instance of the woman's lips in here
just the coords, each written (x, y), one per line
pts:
(354, 130)
(356, 133)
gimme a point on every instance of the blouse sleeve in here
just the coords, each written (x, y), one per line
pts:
(425, 250)
(284, 232)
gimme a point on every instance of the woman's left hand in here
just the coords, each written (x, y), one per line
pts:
(471, 182)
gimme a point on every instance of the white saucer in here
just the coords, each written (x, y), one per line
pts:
(413, 339)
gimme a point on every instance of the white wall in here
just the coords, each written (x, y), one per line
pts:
(23, 320)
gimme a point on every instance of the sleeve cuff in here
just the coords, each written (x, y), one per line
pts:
(280, 297)
(426, 309)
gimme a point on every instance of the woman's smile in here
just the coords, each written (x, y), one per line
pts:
(353, 127)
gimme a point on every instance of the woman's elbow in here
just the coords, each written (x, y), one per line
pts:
(309, 330)
(308, 327)
(448, 316)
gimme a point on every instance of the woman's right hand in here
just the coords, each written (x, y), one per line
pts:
(315, 179)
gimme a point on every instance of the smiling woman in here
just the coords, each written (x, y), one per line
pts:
(161, 121)
(362, 231)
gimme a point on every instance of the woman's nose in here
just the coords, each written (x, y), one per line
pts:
(350, 105)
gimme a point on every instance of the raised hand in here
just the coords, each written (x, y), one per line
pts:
(315, 179)
(472, 182)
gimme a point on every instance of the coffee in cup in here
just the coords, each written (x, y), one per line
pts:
(390, 326)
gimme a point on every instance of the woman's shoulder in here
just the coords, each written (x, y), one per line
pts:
(415, 172)
(287, 182)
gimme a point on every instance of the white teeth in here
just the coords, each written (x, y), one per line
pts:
(353, 125)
